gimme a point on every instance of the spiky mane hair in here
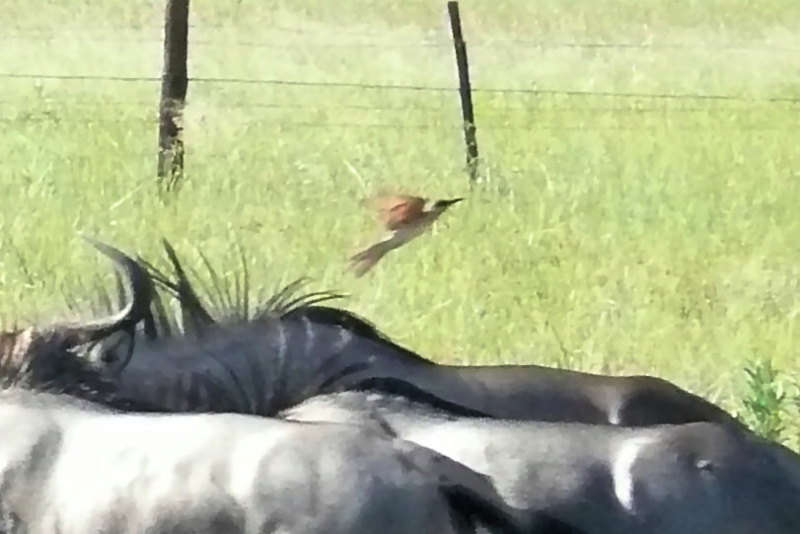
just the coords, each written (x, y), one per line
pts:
(220, 301)
(216, 301)
(227, 303)
(230, 302)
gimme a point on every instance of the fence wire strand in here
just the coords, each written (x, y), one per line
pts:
(632, 102)
(401, 87)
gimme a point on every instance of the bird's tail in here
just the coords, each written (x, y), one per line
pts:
(365, 260)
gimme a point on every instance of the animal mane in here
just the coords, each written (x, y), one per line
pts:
(226, 302)
(231, 302)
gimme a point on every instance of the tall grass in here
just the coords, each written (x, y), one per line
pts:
(612, 234)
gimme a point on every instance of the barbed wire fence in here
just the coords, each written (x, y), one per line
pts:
(438, 97)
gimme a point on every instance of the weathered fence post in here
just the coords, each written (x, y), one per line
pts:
(174, 83)
(465, 91)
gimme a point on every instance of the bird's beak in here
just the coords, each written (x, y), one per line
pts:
(448, 203)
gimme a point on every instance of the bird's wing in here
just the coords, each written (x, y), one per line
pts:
(396, 211)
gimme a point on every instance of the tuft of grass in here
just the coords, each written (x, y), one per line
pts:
(765, 400)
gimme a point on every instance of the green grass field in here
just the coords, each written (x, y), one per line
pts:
(610, 233)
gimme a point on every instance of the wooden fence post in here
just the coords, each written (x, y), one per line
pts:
(465, 91)
(174, 83)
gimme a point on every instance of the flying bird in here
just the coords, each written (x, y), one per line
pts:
(404, 217)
